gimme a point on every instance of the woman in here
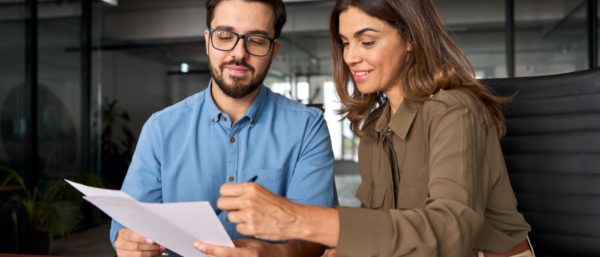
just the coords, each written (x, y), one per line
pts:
(434, 182)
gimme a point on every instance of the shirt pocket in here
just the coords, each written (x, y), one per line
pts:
(413, 196)
(371, 195)
(275, 180)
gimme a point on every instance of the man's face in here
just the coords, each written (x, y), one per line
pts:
(236, 72)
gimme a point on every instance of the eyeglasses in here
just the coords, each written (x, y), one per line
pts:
(226, 40)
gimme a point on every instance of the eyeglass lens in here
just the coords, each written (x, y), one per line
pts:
(255, 45)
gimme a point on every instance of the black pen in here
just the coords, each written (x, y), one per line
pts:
(218, 211)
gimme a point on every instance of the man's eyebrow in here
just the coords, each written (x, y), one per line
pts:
(259, 32)
(224, 27)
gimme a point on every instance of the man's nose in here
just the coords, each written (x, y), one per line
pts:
(239, 51)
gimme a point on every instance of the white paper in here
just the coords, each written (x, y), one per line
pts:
(175, 226)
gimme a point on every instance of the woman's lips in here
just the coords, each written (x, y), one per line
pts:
(362, 75)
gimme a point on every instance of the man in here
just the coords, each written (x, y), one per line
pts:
(232, 131)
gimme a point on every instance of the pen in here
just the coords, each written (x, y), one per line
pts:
(218, 211)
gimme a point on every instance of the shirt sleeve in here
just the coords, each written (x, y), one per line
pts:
(312, 181)
(453, 212)
(143, 179)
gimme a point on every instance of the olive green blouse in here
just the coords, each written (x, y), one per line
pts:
(434, 183)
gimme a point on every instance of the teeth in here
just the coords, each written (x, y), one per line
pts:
(362, 73)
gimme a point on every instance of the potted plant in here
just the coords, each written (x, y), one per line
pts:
(54, 209)
(43, 216)
(117, 143)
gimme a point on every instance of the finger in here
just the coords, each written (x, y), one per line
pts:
(228, 203)
(126, 253)
(136, 246)
(239, 189)
(221, 251)
(232, 189)
(131, 236)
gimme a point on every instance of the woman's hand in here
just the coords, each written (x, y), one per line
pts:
(262, 214)
(258, 212)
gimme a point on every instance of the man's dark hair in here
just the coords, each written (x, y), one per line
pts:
(276, 5)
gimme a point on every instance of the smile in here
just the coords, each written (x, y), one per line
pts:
(362, 75)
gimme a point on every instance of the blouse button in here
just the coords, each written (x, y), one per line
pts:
(230, 179)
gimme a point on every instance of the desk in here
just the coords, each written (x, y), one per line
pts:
(24, 255)
(10, 189)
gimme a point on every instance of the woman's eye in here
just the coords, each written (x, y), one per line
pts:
(345, 44)
(368, 43)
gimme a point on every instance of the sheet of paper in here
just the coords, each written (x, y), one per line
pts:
(173, 225)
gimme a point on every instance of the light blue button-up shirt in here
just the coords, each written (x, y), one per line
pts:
(188, 150)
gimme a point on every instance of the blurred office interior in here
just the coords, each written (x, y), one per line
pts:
(78, 78)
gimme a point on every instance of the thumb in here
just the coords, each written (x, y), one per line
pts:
(209, 249)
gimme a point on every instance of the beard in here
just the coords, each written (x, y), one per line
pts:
(237, 88)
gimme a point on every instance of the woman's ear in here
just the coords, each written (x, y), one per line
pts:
(409, 46)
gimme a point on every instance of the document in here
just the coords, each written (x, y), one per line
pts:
(175, 226)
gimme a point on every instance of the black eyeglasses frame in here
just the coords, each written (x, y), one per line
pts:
(271, 40)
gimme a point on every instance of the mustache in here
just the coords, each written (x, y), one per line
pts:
(237, 62)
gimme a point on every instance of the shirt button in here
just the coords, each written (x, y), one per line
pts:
(223, 118)
(212, 120)
(252, 122)
(230, 179)
(232, 140)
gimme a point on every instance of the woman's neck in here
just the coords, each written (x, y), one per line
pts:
(395, 99)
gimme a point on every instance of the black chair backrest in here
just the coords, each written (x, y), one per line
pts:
(552, 153)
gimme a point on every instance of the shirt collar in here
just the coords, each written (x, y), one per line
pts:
(401, 121)
(253, 113)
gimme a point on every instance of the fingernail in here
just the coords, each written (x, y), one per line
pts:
(162, 248)
(200, 246)
(148, 241)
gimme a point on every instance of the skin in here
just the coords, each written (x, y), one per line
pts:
(369, 45)
(234, 16)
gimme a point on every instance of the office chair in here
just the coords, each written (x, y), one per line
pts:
(552, 153)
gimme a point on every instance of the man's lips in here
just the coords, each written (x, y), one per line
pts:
(236, 70)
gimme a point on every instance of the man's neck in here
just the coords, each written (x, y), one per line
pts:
(235, 108)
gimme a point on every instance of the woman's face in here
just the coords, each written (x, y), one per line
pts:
(373, 51)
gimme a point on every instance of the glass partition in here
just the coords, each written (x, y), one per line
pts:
(553, 43)
(478, 28)
(13, 97)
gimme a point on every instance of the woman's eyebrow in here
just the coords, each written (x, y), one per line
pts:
(356, 34)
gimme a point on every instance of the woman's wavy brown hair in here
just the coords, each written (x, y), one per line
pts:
(435, 62)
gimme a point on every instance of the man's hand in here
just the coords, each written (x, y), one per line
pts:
(330, 253)
(129, 243)
(243, 248)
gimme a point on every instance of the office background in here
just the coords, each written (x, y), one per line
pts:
(71, 69)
